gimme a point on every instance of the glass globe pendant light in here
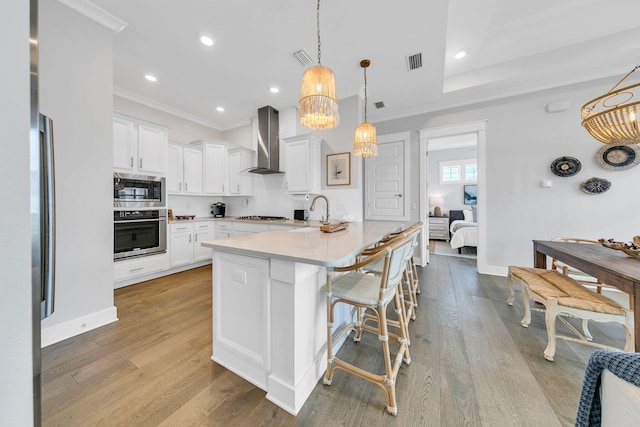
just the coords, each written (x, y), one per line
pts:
(364, 142)
(318, 99)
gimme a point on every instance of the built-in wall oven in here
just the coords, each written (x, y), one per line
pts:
(139, 233)
(138, 191)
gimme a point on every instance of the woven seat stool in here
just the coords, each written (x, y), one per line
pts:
(410, 281)
(373, 293)
(562, 295)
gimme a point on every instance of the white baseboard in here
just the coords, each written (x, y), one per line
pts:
(62, 331)
(492, 270)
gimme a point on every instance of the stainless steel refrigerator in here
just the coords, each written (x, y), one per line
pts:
(42, 212)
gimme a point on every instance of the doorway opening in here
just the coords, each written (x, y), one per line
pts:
(452, 183)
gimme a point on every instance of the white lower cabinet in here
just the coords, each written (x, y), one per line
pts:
(244, 228)
(224, 229)
(131, 268)
(185, 240)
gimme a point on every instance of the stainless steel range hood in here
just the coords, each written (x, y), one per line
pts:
(268, 142)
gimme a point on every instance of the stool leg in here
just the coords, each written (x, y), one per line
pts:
(357, 335)
(526, 320)
(510, 286)
(550, 319)
(328, 376)
(585, 330)
(389, 380)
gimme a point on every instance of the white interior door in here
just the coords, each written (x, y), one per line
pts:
(386, 179)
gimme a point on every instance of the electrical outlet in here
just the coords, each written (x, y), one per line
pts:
(240, 276)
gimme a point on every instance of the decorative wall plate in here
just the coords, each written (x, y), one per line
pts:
(618, 157)
(595, 185)
(565, 166)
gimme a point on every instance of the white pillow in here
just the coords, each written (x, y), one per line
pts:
(468, 215)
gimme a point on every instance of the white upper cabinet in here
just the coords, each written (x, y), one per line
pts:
(139, 148)
(125, 146)
(175, 169)
(240, 183)
(216, 180)
(184, 169)
(302, 164)
(193, 174)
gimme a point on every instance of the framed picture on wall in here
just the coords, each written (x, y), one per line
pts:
(470, 194)
(339, 169)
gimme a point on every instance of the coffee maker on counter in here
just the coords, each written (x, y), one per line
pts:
(218, 209)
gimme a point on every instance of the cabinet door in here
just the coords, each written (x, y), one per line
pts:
(192, 171)
(152, 143)
(181, 247)
(215, 169)
(175, 169)
(202, 232)
(298, 171)
(124, 144)
(240, 184)
(235, 163)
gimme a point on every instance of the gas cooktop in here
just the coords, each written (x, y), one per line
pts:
(263, 218)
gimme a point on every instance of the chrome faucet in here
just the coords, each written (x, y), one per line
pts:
(325, 219)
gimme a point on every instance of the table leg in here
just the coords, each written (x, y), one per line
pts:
(539, 259)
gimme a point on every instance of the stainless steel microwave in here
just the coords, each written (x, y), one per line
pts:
(139, 191)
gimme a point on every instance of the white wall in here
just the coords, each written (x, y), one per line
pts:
(452, 194)
(76, 80)
(16, 391)
(522, 141)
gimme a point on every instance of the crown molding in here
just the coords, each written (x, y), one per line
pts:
(96, 13)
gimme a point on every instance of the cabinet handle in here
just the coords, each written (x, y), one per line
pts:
(131, 163)
(186, 186)
(136, 269)
(238, 188)
(223, 188)
(189, 238)
(398, 195)
(140, 163)
(181, 228)
(180, 186)
(196, 237)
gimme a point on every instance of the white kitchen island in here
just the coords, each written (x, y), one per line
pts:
(269, 304)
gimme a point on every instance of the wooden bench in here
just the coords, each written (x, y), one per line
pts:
(562, 294)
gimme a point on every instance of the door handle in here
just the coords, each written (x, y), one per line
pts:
(186, 186)
(398, 195)
(131, 161)
(140, 163)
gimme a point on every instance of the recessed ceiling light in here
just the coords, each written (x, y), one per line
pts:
(461, 54)
(220, 109)
(206, 39)
(274, 89)
(151, 77)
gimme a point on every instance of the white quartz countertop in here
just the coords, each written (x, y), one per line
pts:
(309, 244)
(290, 222)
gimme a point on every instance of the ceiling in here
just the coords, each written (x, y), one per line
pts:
(514, 47)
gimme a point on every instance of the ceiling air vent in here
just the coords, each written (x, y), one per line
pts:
(379, 104)
(414, 61)
(303, 58)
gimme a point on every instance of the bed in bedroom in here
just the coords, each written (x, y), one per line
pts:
(463, 228)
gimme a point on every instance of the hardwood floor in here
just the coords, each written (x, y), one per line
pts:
(472, 364)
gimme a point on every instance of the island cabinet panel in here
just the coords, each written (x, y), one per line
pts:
(241, 316)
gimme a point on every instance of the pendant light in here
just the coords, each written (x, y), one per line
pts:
(614, 118)
(364, 142)
(318, 100)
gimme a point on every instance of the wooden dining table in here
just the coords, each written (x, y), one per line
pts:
(612, 267)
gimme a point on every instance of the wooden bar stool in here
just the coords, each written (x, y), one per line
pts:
(373, 293)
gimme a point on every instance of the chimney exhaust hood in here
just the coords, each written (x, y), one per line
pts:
(268, 142)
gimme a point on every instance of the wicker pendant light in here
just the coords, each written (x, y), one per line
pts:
(614, 118)
(318, 99)
(365, 143)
